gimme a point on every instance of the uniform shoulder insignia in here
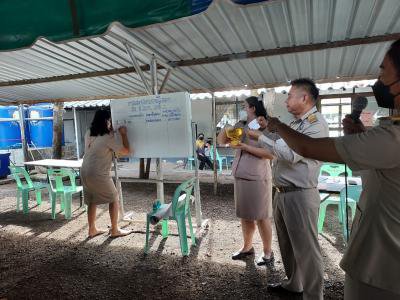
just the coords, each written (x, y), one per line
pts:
(312, 118)
(389, 120)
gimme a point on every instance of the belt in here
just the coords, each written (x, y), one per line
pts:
(288, 189)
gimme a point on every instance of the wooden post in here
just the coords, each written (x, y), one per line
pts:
(147, 171)
(57, 129)
(141, 168)
(199, 220)
(214, 135)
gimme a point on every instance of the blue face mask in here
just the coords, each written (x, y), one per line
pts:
(382, 93)
(243, 115)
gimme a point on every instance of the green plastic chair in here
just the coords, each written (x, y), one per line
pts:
(334, 170)
(65, 192)
(220, 159)
(353, 195)
(180, 209)
(23, 188)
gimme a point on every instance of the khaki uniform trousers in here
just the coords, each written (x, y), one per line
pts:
(357, 290)
(296, 217)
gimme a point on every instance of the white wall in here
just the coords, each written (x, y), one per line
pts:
(276, 107)
(84, 119)
(202, 115)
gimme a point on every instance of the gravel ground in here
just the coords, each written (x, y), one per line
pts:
(43, 258)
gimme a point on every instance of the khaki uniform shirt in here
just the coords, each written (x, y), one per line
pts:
(373, 252)
(98, 156)
(289, 168)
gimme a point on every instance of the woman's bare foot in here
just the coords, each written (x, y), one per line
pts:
(96, 232)
(119, 232)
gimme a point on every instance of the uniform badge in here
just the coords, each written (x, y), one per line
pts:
(312, 118)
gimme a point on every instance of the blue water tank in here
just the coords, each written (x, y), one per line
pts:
(4, 163)
(41, 131)
(10, 134)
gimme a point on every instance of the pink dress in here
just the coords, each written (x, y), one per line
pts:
(98, 186)
(253, 184)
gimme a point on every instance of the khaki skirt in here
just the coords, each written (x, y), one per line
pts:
(253, 199)
(98, 189)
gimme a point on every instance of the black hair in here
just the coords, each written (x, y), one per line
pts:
(258, 105)
(200, 134)
(308, 85)
(394, 55)
(99, 123)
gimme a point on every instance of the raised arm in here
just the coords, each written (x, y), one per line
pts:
(322, 149)
(125, 150)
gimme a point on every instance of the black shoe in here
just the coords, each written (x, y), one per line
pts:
(278, 288)
(241, 255)
(262, 260)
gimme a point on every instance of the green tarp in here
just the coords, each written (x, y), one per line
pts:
(23, 21)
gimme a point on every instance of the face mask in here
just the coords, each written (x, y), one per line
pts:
(382, 93)
(254, 125)
(201, 138)
(243, 115)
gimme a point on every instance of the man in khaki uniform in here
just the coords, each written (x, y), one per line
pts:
(372, 258)
(297, 199)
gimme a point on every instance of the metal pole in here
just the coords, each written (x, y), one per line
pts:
(237, 108)
(346, 203)
(159, 170)
(199, 220)
(123, 40)
(153, 69)
(137, 68)
(166, 77)
(213, 109)
(22, 128)
(76, 134)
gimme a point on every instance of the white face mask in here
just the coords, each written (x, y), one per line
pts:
(243, 115)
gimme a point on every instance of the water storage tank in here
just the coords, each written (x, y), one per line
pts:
(41, 131)
(4, 163)
(10, 134)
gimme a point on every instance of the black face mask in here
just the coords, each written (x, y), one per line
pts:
(382, 93)
(201, 138)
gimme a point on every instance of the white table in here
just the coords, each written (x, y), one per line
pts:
(334, 185)
(60, 163)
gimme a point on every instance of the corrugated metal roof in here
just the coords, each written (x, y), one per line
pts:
(87, 104)
(225, 28)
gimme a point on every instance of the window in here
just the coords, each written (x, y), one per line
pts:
(334, 110)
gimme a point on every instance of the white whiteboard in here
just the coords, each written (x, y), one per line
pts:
(158, 126)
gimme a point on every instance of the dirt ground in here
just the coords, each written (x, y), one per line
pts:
(43, 258)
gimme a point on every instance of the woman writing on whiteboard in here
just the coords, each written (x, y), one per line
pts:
(253, 184)
(98, 186)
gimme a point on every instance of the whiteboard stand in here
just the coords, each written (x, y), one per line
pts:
(201, 224)
(123, 217)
